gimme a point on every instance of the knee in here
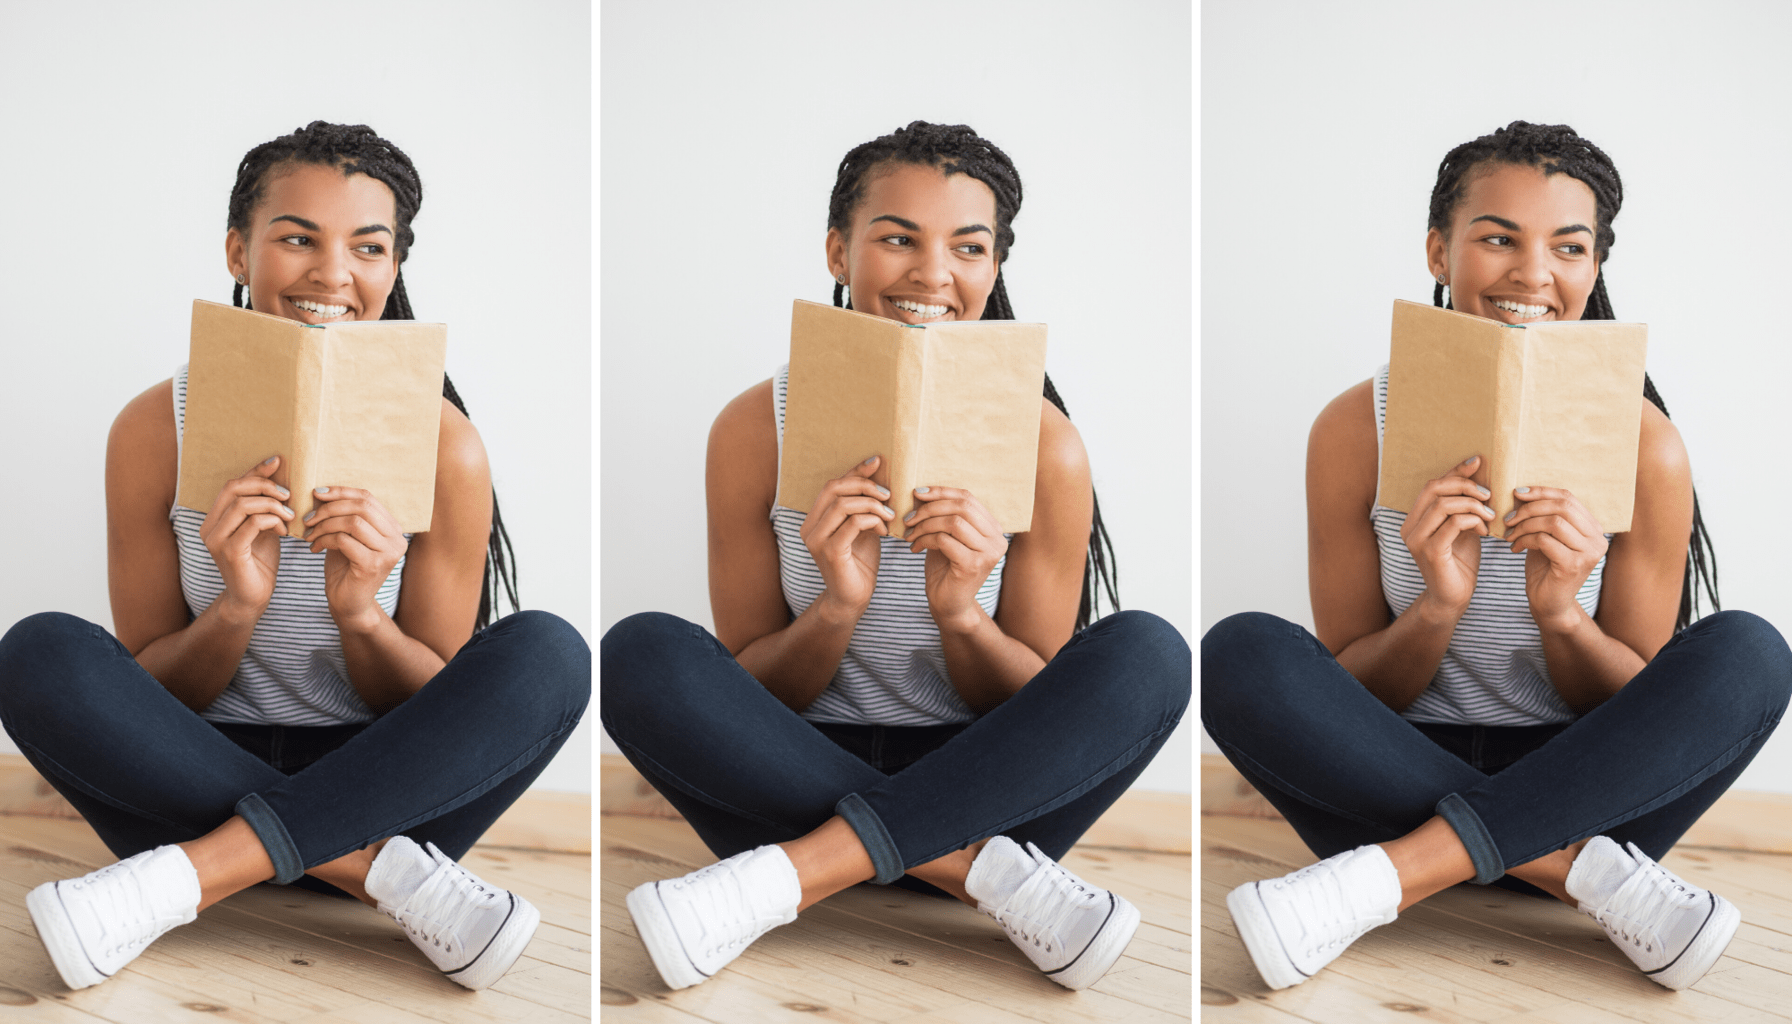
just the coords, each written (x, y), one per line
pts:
(559, 659)
(36, 655)
(1156, 665)
(644, 657)
(1757, 662)
(1242, 660)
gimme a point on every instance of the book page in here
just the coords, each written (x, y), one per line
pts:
(1581, 414)
(840, 408)
(242, 375)
(380, 415)
(1443, 378)
(982, 382)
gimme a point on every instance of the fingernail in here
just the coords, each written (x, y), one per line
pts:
(308, 515)
(1487, 510)
(323, 490)
(288, 511)
(269, 460)
(1510, 514)
(869, 461)
(888, 511)
(1470, 459)
(283, 492)
(1524, 490)
(911, 515)
(882, 491)
(1485, 493)
(920, 490)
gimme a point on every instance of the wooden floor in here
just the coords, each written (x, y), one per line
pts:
(879, 954)
(1475, 953)
(273, 953)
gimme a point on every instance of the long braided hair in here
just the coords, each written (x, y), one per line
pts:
(1558, 149)
(957, 149)
(357, 149)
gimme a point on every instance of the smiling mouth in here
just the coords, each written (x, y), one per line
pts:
(1520, 310)
(920, 310)
(318, 309)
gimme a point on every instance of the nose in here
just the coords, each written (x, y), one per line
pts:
(332, 268)
(932, 267)
(1532, 269)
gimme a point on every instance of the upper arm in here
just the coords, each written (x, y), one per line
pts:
(1645, 568)
(444, 567)
(1042, 582)
(142, 560)
(740, 483)
(1343, 558)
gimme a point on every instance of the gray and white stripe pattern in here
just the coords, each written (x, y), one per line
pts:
(894, 670)
(293, 672)
(1494, 672)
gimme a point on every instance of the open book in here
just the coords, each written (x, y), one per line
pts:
(1555, 404)
(355, 404)
(951, 404)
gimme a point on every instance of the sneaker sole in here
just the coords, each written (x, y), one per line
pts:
(1103, 950)
(1704, 950)
(57, 933)
(504, 950)
(1260, 938)
(654, 926)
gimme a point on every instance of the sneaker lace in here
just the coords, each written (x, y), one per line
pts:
(123, 902)
(1637, 911)
(1321, 904)
(1048, 896)
(444, 902)
(725, 906)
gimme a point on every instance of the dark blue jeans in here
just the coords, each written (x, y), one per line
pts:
(1345, 770)
(747, 771)
(146, 771)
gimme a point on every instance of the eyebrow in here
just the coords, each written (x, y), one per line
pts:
(909, 225)
(1511, 226)
(309, 226)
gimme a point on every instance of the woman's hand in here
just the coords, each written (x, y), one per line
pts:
(242, 532)
(1444, 533)
(363, 544)
(963, 543)
(1562, 543)
(841, 533)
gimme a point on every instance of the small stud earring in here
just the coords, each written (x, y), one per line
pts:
(1440, 279)
(242, 279)
(839, 278)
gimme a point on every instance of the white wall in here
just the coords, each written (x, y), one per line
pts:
(1323, 126)
(123, 125)
(722, 127)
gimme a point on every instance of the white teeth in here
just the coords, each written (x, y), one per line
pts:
(319, 308)
(1520, 308)
(918, 308)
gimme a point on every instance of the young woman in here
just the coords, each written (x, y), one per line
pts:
(1538, 708)
(312, 710)
(874, 709)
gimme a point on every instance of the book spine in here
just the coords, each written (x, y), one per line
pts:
(905, 442)
(307, 420)
(1508, 423)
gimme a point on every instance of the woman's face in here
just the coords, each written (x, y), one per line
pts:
(319, 247)
(922, 247)
(1520, 248)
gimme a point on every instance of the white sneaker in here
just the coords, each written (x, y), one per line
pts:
(695, 925)
(1070, 929)
(471, 930)
(95, 924)
(1669, 927)
(1296, 924)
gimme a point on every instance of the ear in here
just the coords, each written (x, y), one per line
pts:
(1436, 253)
(836, 246)
(236, 253)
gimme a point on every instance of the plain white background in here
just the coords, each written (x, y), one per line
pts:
(722, 128)
(123, 127)
(1323, 126)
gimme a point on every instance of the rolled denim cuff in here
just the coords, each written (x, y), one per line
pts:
(873, 835)
(288, 867)
(1475, 837)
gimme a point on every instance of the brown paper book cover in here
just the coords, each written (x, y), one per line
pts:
(952, 404)
(1554, 404)
(355, 404)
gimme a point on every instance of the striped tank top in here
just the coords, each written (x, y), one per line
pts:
(293, 672)
(1493, 672)
(894, 669)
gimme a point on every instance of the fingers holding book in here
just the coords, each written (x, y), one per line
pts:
(242, 533)
(1563, 542)
(1443, 532)
(363, 541)
(841, 532)
(963, 542)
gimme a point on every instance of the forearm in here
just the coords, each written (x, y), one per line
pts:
(385, 666)
(1397, 663)
(985, 665)
(797, 662)
(196, 663)
(1586, 666)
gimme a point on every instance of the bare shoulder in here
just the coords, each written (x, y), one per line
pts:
(142, 450)
(1347, 423)
(1343, 449)
(743, 444)
(460, 453)
(1661, 454)
(1063, 461)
